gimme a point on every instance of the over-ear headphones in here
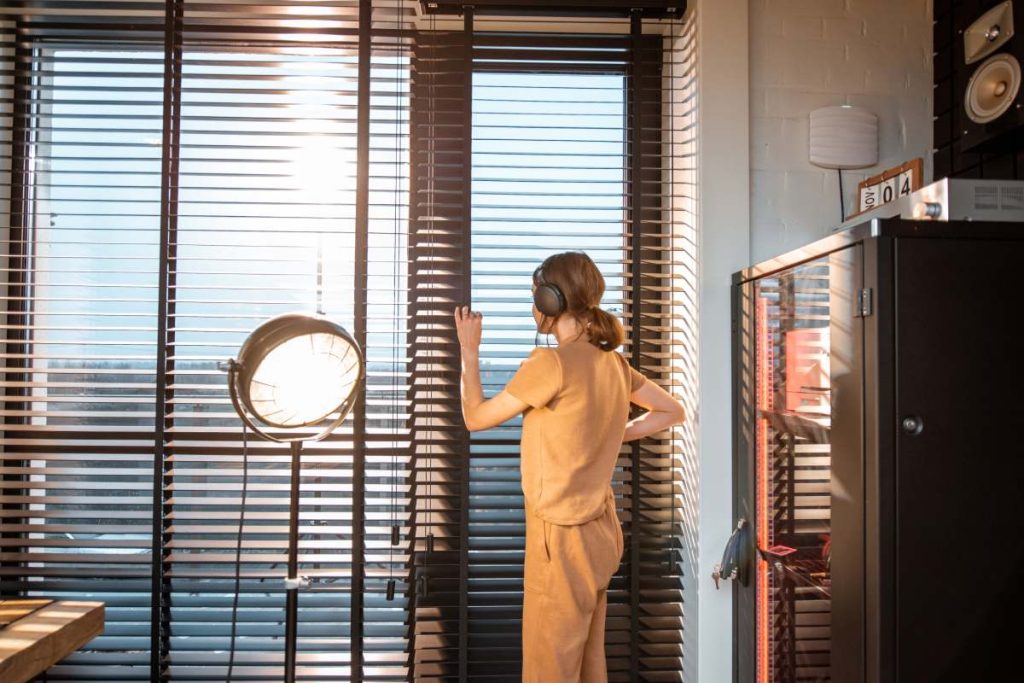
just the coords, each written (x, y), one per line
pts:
(547, 297)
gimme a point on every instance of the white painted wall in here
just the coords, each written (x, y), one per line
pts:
(806, 54)
(724, 220)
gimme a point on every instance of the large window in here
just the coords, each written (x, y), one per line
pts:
(170, 190)
(82, 345)
(554, 160)
(549, 174)
(265, 224)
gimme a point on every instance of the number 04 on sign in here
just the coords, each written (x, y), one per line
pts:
(889, 185)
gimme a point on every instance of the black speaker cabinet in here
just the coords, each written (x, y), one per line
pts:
(879, 465)
(989, 52)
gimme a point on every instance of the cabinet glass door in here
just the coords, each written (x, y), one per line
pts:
(803, 365)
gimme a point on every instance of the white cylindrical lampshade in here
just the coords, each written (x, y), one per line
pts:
(844, 137)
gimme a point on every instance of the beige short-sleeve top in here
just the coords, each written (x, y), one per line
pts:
(572, 431)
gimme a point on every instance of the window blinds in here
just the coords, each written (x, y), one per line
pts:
(263, 222)
(83, 109)
(181, 171)
(571, 142)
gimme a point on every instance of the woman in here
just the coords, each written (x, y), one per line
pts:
(576, 397)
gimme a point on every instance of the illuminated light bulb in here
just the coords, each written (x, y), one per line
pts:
(303, 380)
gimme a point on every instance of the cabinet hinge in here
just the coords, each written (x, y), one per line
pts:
(865, 306)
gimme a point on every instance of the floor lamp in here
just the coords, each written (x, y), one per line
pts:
(295, 371)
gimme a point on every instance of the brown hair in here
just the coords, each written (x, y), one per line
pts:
(582, 286)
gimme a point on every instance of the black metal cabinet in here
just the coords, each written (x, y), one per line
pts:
(879, 461)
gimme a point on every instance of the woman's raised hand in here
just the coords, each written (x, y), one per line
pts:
(468, 324)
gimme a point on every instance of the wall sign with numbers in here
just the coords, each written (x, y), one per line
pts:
(889, 185)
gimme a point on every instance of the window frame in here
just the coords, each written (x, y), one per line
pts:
(438, 343)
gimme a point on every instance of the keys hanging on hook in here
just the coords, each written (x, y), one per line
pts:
(716, 575)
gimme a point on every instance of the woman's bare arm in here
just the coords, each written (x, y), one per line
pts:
(477, 412)
(663, 411)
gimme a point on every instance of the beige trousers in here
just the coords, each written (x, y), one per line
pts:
(565, 597)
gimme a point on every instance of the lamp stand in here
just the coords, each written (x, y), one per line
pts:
(293, 582)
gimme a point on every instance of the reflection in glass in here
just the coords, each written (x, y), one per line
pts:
(792, 474)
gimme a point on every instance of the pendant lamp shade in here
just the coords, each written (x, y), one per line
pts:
(843, 137)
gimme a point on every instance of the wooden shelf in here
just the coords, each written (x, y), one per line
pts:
(47, 633)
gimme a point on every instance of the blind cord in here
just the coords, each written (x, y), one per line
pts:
(431, 101)
(238, 549)
(397, 310)
(673, 27)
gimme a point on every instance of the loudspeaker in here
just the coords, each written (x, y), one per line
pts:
(988, 73)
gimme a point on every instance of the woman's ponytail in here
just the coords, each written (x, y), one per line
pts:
(606, 331)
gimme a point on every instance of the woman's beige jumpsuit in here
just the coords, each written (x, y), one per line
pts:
(572, 434)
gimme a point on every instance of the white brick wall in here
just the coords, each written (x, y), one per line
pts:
(806, 54)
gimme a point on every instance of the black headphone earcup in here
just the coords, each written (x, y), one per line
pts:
(549, 300)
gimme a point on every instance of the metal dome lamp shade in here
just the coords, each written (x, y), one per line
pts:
(295, 371)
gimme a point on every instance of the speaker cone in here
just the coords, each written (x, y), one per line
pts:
(993, 88)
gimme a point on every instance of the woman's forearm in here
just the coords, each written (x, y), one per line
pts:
(649, 423)
(472, 391)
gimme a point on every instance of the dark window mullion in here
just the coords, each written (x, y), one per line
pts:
(636, 273)
(439, 262)
(467, 295)
(361, 280)
(160, 626)
(19, 285)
